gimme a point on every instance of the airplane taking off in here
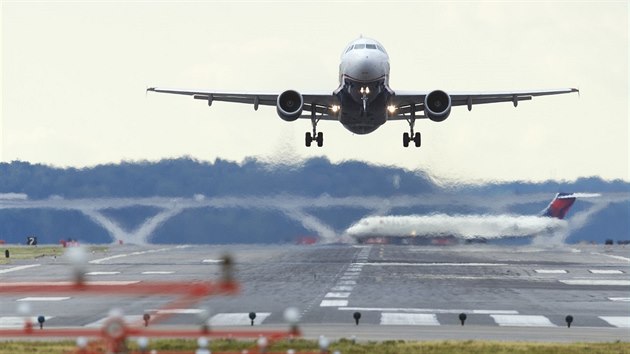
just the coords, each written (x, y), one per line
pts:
(364, 101)
(413, 229)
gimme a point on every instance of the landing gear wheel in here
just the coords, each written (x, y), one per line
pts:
(416, 139)
(406, 139)
(320, 139)
(308, 139)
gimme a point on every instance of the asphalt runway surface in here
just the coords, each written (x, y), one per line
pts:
(515, 293)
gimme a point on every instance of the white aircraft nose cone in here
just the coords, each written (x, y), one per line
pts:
(363, 69)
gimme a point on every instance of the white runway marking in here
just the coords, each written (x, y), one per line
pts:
(383, 264)
(127, 319)
(212, 261)
(624, 299)
(102, 273)
(617, 321)
(605, 271)
(341, 288)
(409, 319)
(50, 298)
(157, 272)
(338, 295)
(66, 283)
(13, 269)
(612, 256)
(522, 321)
(16, 322)
(333, 303)
(237, 319)
(415, 310)
(347, 282)
(100, 260)
(610, 282)
(550, 271)
(176, 311)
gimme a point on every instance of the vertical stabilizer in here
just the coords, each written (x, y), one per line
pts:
(559, 206)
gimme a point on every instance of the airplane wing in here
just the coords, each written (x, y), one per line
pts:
(404, 101)
(319, 102)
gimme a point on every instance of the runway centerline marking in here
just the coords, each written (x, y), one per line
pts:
(102, 273)
(434, 264)
(522, 321)
(420, 310)
(609, 282)
(212, 261)
(42, 298)
(157, 272)
(14, 269)
(605, 271)
(624, 299)
(550, 271)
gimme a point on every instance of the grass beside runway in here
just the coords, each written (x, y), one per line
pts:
(34, 252)
(346, 346)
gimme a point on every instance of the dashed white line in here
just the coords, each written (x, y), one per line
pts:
(341, 295)
(613, 256)
(382, 264)
(605, 271)
(333, 303)
(176, 311)
(550, 271)
(14, 269)
(623, 299)
(126, 319)
(157, 272)
(102, 273)
(42, 298)
(610, 282)
(347, 282)
(212, 261)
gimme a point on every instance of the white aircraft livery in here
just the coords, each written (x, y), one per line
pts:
(363, 101)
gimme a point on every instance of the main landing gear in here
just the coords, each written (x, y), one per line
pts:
(315, 136)
(408, 137)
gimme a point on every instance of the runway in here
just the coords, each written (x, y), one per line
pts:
(521, 293)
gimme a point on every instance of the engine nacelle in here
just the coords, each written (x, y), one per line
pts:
(437, 105)
(289, 105)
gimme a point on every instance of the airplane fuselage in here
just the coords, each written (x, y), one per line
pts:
(363, 91)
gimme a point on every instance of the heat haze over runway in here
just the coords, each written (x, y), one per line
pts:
(407, 292)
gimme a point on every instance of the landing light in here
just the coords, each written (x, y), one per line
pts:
(391, 108)
(335, 108)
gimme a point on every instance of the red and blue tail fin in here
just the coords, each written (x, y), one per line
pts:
(559, 206)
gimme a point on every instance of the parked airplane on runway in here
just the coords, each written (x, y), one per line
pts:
(447, 229)
(364, 101)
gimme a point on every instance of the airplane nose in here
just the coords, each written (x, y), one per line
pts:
(362, 69)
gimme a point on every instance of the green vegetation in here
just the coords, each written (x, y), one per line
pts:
(33, 252)
(346, 346)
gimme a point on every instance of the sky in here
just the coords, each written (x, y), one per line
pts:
(74, 76)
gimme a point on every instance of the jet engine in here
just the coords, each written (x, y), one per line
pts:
(437, 105)
(289, 105)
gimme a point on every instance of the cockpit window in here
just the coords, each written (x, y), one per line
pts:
(381, 48)
(371, 46)
(349, 49)
(359, 46)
